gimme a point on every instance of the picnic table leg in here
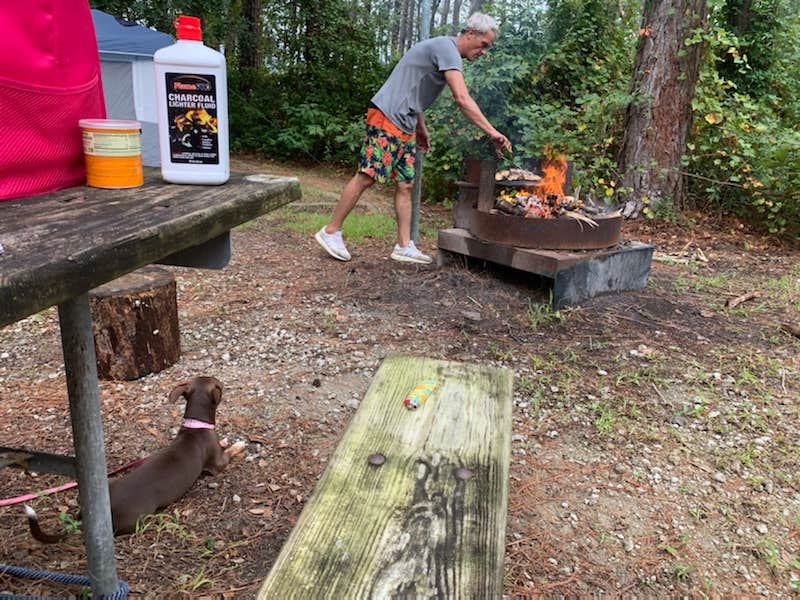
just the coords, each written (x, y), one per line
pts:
(87, 433)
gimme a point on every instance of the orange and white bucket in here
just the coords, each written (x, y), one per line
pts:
(113, 152)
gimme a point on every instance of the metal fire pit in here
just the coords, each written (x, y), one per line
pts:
(579, 261)
(563, 233)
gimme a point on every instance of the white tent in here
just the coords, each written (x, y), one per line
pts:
(126, 60)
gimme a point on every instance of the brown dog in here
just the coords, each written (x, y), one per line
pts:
(168, 474)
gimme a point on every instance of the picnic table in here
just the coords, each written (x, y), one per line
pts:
(58, 246)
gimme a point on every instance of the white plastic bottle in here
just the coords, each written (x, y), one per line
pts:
(192, 100)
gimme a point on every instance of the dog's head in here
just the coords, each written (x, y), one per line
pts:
(203, 395)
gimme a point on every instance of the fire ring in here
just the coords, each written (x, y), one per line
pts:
(548, 234)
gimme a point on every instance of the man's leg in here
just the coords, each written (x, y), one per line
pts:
(402, 210)
(350, 196)
(405, 250)
(330, 236)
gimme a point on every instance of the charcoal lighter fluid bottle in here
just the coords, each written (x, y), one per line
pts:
(192, 99)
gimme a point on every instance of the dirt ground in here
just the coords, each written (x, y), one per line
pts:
(656, 433)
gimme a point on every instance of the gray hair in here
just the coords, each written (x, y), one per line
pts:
(481, 23)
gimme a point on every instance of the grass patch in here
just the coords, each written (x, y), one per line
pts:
(784, 291)
(357, 227)
(315, 193)
(605, 418)
(540, 315)
(702, 283)
(429, 230)
(192, 582)
(69, 523)
(163, 523)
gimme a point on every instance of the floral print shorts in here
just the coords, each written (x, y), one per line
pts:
(386, 157)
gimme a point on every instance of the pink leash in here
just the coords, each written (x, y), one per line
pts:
(61, 488)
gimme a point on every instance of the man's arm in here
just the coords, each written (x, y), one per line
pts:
(423, 139)
(471, 110)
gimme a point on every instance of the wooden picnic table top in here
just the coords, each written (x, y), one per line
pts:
(62, 244)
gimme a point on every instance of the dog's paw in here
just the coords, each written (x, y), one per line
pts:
(236, 449)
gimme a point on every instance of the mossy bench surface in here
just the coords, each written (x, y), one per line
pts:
(426, 521)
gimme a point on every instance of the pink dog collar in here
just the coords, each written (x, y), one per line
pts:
(195, 424)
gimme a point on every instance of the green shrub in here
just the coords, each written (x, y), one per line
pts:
(744, 152)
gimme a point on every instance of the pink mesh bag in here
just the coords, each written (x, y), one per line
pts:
(49, 78)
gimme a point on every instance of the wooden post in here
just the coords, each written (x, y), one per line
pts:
(416, 192)
(136, 324)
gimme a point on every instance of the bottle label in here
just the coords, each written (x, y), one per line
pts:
(192, 118)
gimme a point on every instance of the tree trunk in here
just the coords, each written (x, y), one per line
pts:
(411, 24)
(659, 117)
(250, 40)
(397, 25)
(406, 26)
(740, 15)
(476, 6)
(434, 10)
(313, 28)
(135, 324)
(456, 16)
(445, 12)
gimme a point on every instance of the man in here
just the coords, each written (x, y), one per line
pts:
(396, 128)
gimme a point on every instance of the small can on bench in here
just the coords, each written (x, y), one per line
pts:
(420, 393)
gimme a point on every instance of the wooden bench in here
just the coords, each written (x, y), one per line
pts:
(413, 502)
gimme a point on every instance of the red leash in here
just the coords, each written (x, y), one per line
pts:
(61, 488)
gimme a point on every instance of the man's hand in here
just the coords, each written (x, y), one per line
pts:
(423, 140)
(501, 144)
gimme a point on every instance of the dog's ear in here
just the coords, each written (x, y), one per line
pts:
(178, 391)
(216, 393)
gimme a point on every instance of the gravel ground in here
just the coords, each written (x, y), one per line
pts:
(655, 433)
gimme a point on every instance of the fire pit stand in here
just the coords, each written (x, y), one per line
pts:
(580, 266)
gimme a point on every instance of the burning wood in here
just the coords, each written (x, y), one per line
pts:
(527, 203)
(570, 223)
(529, 195)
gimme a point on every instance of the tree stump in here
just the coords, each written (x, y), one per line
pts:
(135, 324)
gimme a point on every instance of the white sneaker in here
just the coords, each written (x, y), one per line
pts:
(333, 244)
(410, 254)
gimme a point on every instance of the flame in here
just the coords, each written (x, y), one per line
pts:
(545, 199)
(554, 175)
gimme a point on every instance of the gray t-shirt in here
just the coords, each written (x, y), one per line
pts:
(417, 80)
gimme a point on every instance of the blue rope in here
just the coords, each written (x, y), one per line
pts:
(65, 578)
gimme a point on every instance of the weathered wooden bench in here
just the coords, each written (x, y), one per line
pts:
(413, 502)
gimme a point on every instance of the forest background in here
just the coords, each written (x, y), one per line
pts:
(564, 77)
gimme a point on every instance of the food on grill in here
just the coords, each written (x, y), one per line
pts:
(516, 175)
